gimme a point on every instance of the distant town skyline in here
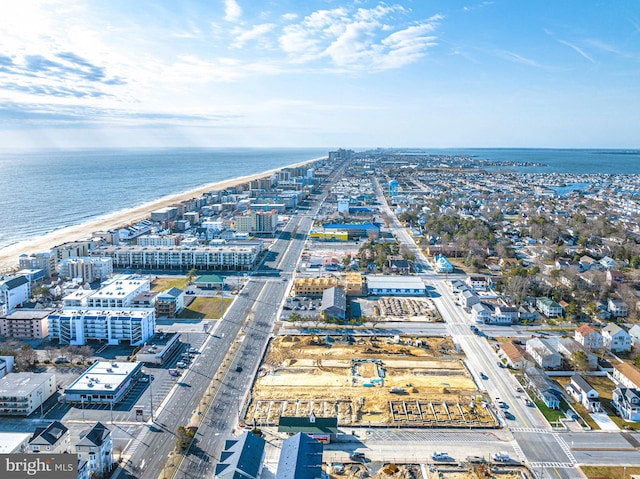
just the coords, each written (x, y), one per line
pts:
(406, 73)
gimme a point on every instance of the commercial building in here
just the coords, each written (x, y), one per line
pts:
(124, 326)
(158, 348)
(300, 458)
(96, 447)
(396, 285)
(23, 393)
(331, 235)
(354, 230)
(224, 257)
(104, 382)
(334, 303)
(25, 324)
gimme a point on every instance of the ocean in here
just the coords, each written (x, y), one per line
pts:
(47, 190)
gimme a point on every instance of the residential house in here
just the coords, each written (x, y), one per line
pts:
(544, 353)
(546, 389)
(549, 307)
(334, 303)
(584, 393)
(469, 298)
(586, 262)
(398, 265)
(627, 375)
(242, 457)
(300, 458)
(634, 332)
(626, 401)
(515, 356)
(589, 337)
(53, 439)
(617, 308)
(615, 338)
(505, 315)
(481, 313)
(608, 263)
(567, 347)
(527, 313)
(614, 277)
(478, 283)
(96, 447)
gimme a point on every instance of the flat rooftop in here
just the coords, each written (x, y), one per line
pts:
(29, 314)
(22, 384)
(157, 343)
(120, 288)
(395, 282)
(134, 313)
(9, 441)
(103, 376)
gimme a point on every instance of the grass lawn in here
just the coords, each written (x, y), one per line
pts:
(614, 472)
(580, 409)
(162, 284)
(552, 415)
(210, 308)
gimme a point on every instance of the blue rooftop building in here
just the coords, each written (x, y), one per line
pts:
(300, 458)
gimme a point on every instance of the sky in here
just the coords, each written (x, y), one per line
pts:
(319, 73)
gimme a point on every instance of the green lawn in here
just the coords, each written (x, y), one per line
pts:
(552, 415)
(614, 472)
(210, 308)
(162, 284)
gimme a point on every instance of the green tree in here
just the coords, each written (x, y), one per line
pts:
(579, 361)
(346, 261)
(191, 274)
(183, 438)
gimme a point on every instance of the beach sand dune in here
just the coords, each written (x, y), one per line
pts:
(9, 255)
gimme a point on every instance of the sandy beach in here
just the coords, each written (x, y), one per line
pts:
(9, 255)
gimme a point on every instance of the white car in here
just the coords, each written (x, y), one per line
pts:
(501, 456)
(439, 455)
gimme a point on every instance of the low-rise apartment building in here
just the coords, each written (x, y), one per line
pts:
(313, 286)
(96, 447)
(25, 324)
(23, 393)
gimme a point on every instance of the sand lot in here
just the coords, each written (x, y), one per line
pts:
(367, 382)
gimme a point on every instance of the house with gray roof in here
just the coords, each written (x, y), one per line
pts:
(300, 458)
(546, 389)
(481, 313)
(321, 428)
(170, 303)
(627, 403)
(544, 353)
(242, 458)
(53, 439)
(468, 298)
(615, 338)
(96, 447)
(584, 393)
(334, 303)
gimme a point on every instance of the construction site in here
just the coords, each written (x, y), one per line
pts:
(412, 382)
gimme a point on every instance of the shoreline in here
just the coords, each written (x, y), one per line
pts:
(117, 219)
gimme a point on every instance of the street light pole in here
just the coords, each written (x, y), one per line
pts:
(151, 395)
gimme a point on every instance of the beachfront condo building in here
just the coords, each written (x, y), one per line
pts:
(86, 269)
(13, 293)
(119, 291)
(46, 261)
(132, 326)
(256, 222)
(217, 257)
(25, 324)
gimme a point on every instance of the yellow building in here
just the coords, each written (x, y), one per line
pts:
(313, 286)
(330, 235)
(354, 284)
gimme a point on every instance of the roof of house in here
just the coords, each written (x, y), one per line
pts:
(170, 293)
(581, 383)
(334, 298)
(48, 436)
(629, 371)
(585, 330)
(308, 424)
(94, 436)
(241, 457)
(613, 329)
(300, 458)
(514, 352)
(209, 278)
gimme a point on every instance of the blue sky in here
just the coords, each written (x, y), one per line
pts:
(558, 73)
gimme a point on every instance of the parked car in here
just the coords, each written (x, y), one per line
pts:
(193, 351)
(62, 360)
(439, 456)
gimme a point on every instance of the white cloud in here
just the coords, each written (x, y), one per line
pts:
(290, 16)
(256, 32)
(360, 40)
(577, 49)
(232, 11)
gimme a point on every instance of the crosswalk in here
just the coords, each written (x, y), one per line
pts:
(431, 436)
(557, 465)
(538, 430)
(565, 447)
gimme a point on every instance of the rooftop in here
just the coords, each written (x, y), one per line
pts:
(23, 384)
(103, 376)
(396, 282)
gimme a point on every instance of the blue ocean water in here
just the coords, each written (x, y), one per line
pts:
(46, 190)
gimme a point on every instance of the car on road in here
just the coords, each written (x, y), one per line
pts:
(500, 364)
(181, 365)
(143, 379)
(193, 351)
(503, 405)
(519, 389)
(238, 368)
(357, 456)
(529, 402)
(509, 416)
(62, 360)
(501, 456)
(439, 456)
(483, 375)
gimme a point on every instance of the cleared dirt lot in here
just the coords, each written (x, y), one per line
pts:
(368, 382)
